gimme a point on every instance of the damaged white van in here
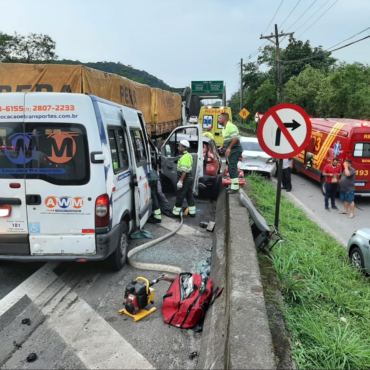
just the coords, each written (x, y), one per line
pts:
(73, 175)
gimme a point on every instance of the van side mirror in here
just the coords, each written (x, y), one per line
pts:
(97, 157)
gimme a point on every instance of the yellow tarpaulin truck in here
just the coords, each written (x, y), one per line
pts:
(162, 110)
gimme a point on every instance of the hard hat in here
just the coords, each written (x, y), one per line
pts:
(185, 143)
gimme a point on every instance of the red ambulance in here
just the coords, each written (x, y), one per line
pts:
(342, 138)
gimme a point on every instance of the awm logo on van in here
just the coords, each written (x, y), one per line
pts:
(21, 142)
(63, 148)
(64, 204)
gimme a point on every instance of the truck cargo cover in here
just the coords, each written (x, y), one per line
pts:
(158, 106)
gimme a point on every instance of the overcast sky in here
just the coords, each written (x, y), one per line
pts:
(180, 41)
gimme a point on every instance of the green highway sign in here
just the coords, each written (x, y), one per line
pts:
(207, 87)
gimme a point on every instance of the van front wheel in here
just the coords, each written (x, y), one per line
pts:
(118, 258)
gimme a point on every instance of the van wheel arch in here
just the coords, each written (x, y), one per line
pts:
(117, 259)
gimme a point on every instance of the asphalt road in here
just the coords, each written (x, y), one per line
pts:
(308, 192)
(73, 308)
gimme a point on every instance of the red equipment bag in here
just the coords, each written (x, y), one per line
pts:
(187, 300)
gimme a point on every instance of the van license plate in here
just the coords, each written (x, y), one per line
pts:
(253, 168)
(359, 184)
(5, 211)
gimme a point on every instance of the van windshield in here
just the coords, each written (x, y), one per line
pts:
(55, 152)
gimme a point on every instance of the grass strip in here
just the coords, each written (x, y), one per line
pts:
(327, 300)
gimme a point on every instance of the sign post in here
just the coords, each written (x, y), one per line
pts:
(284, 131)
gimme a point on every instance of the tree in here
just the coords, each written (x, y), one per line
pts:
(303, 90)
(5, 47)
(234, 104)
(346, 92)
(266, 97)
(31, 49)
(298, 49)
(341, 92)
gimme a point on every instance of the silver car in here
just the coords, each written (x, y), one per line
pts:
(359, 249)
(254, 159)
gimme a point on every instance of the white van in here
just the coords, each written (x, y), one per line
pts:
(73, 176)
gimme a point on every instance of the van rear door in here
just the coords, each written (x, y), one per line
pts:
(61, 184)
(140, 164)
(15, 151)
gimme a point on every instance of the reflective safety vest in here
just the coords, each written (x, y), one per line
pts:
(229, 133)
(185, 164)
(208, 134)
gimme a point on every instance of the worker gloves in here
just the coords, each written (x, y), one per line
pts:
(179, 185)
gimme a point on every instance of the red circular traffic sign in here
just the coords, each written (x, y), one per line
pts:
(284, 131)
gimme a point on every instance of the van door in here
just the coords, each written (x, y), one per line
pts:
(140, 163)
(170, 154)
(61, 183)
(15, 151)
(218, 132)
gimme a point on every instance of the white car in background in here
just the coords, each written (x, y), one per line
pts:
(254, 159)
(193, 119)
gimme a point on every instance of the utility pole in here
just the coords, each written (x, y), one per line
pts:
(241, 84)
(280, 79)
(276, 43)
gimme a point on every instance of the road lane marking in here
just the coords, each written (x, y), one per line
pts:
(92, 339)
(32, 287)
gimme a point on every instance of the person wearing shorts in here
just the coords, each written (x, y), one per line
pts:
(347, 188)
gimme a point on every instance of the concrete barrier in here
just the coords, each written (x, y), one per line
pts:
(215, 329)
(236, 332)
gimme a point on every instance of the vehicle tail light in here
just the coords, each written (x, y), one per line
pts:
(5, 211)
(102, 211)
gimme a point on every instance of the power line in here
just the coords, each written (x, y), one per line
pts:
(290, 14)
(317, 19)
(253, 54)
(303, 14)
(325, 52)
(311, 17)
(273, 17)
(300, 17)
(348, 38)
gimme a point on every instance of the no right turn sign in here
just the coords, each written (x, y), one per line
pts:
(284, 131)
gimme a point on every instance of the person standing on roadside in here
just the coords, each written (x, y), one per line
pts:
(233, 149)
(287, 171)
(332, 173)
(185, 180)
(347, 188)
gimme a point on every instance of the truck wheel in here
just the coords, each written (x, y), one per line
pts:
(323, 189)
(118, 258)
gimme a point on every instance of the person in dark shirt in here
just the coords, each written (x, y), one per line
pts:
(347, 188)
